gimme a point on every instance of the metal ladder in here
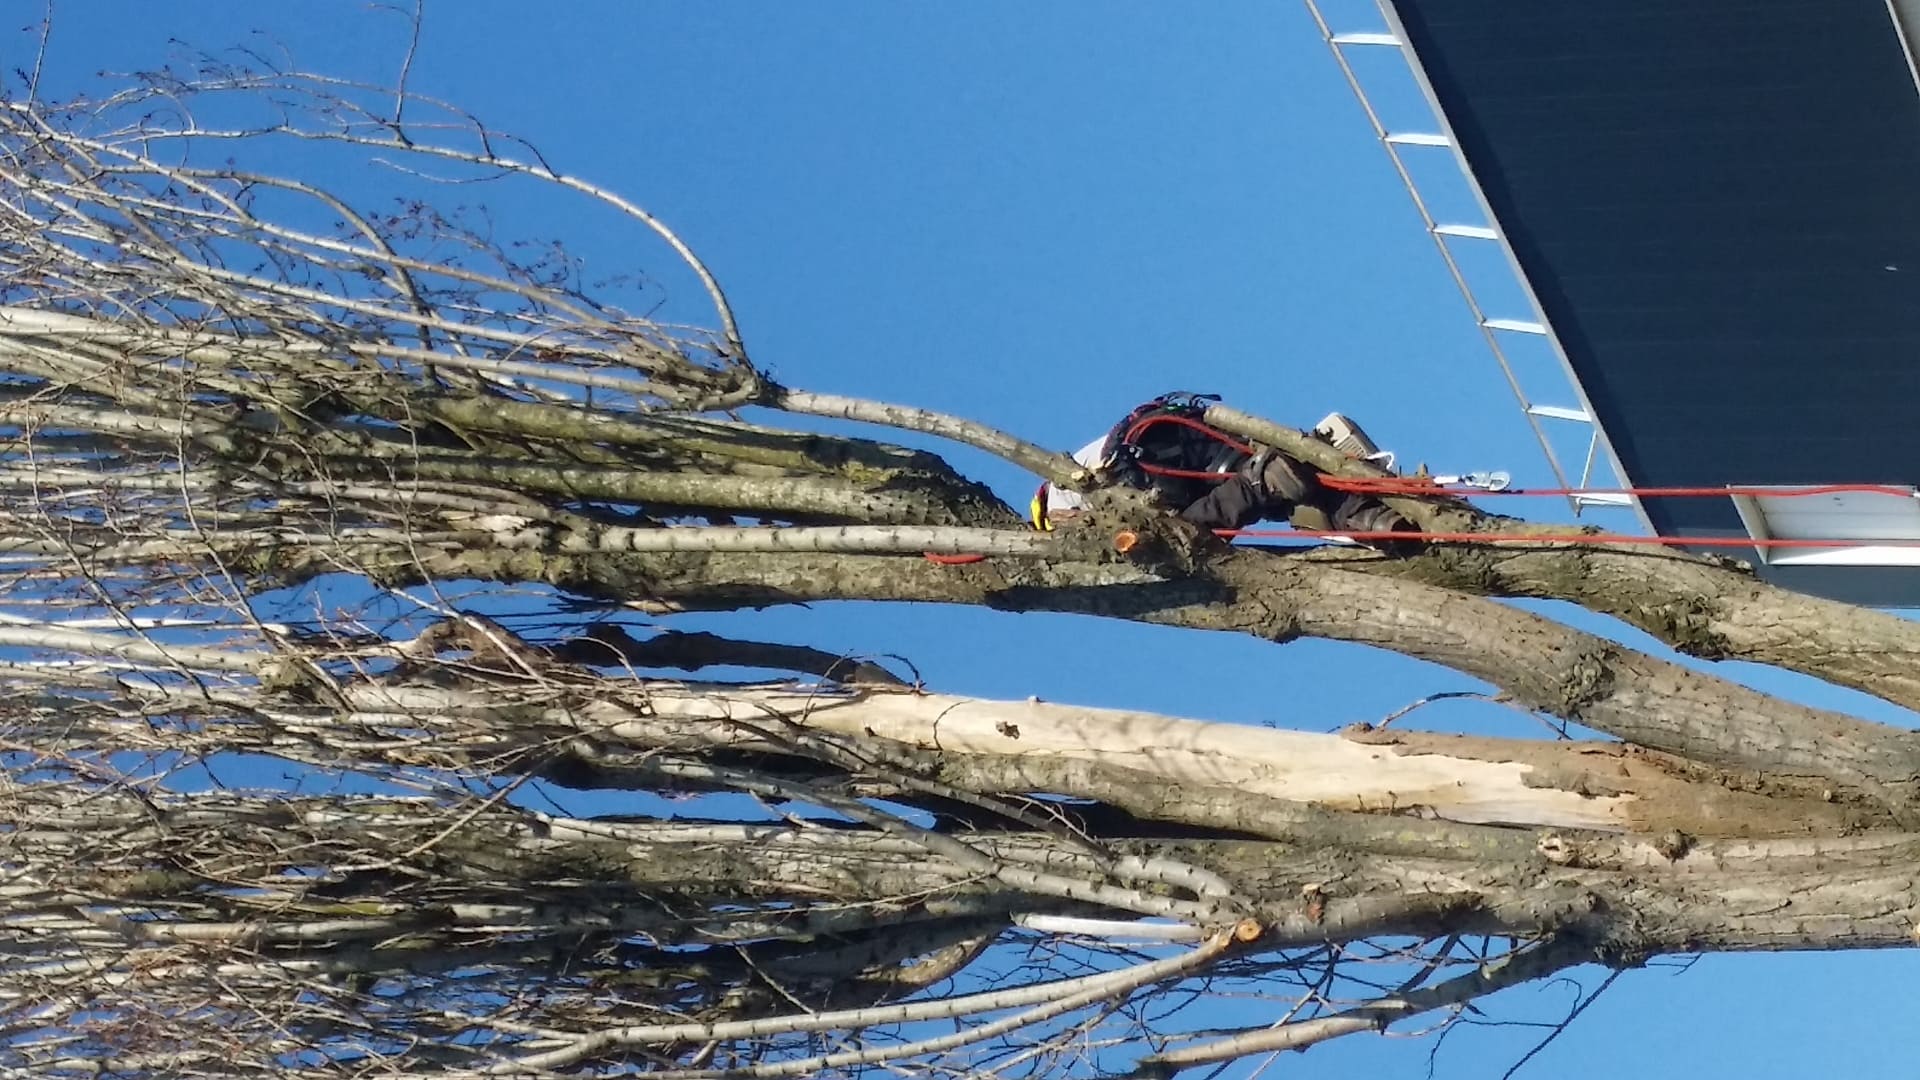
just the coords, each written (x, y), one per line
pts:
(1494, 330)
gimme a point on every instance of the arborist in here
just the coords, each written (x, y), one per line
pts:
(1217, 482)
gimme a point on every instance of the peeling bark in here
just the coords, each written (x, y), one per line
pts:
(1540, 663)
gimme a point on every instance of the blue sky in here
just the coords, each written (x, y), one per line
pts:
(1038, 215)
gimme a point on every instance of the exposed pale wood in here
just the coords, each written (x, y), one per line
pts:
(1568, 785)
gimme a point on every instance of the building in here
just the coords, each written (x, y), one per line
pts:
(1714, 207)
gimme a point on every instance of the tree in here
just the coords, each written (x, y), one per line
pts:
(328, 528)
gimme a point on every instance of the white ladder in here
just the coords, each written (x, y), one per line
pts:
(1494, 330)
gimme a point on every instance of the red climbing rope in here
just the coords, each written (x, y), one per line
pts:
(1421, 485)
(1426, 486)
(1557, 538)
(1187, 422)
(1217, 435)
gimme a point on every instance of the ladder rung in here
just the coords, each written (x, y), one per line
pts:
(1556, 412)
(1517, 326)
(1417, 138)
(1365, 39)
(1478, 232)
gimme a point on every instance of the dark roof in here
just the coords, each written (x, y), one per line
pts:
(1717, 203)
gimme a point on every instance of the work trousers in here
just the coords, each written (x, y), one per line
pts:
(1234, 503)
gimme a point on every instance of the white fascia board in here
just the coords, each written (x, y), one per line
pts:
(1854, 520)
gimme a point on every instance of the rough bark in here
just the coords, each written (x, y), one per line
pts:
(1710, 607)
(1540, 663)
(1630, 896)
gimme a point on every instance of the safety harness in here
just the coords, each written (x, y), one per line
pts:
(1164, 446)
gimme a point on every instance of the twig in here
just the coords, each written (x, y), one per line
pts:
(406, 64)
(1559, 730)
(1561, 1027)
(1057, 997)
(1513, 969)
(1054, 467)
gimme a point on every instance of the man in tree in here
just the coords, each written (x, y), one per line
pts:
(1218, 482)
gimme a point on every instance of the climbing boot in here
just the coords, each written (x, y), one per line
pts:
(1368, 516)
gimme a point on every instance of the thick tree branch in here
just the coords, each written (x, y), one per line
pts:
(1055, 467)
(1626, 897)
(1705, 606)
(1541, 664)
